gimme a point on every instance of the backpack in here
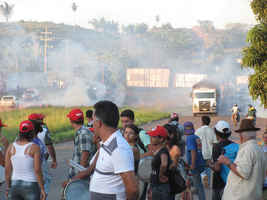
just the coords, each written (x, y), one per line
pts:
(176, 181)
(230, 151)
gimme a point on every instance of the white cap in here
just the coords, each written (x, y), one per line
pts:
(221, 126)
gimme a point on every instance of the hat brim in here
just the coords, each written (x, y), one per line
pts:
(152, 133)
(243, 130)
(189, 131)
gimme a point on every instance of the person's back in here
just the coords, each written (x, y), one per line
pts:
(207, 137)
(253, 174)
(22, 163)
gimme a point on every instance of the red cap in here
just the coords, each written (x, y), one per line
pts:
(34, 116)
(75, 115)
(26, 126)
(41, 116)
(158, 131)
(91, 129)
(2, 125)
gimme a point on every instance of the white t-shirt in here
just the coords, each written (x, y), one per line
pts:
(115, 157)
(208, 138)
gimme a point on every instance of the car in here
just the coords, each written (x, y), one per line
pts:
(8, 102)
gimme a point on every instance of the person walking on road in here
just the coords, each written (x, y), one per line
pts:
(161, 162)
(114, 176)
(24, 179)
(194, 158)
(246, 178)
(227, 148)
(84, 148)
(45, 137)
(208, 139)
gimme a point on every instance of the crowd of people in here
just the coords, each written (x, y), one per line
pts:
(184, 162)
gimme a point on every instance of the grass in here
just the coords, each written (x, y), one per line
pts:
(59, 124)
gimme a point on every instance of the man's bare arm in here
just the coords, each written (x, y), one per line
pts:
(131, 185)
(85, 158)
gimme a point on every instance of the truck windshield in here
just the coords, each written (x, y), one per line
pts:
(204, 95)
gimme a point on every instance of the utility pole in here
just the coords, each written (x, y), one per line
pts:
(46, 38)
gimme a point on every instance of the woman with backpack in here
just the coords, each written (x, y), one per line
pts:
(224, 147)
(161, 162)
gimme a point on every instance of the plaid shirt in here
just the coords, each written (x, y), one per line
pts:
(83, 141)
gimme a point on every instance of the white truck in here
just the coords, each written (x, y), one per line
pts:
(8, 102)
(204, 97)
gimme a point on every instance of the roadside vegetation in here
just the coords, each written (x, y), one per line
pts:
(59, 124)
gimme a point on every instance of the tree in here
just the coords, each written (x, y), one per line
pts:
(6, 10)
(103, 25)
(255, 55)
(74, 9)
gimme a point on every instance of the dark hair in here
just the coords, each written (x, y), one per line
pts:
(37, 126)
(89, 113)
(134, 128)
(27, 136)
(128, 113)
(205, 120)
(174, 119)
(138, 141)
(171, 131)
(108, 113)
(222, 135)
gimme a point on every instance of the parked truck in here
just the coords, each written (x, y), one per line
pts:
(204, 98)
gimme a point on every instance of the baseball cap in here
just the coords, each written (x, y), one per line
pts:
(92, 130)
(75, 115)
(1, 124)
(189, 128)
(41, 116)
(223, 127)
(158, 131)
(34, 116)
(26, 126)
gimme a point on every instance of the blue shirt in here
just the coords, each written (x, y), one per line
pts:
(42, 147)
(193, 142)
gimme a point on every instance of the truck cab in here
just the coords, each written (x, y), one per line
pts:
(204, 101)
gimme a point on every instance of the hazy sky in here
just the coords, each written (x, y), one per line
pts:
(180, 13)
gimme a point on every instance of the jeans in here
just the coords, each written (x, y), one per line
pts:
(23, 190)
(161, 192)
(217, 194)
(197, 183)
(46, 176)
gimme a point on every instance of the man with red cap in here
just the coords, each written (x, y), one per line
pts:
(45, 137)
(160, 164)
(84, 148)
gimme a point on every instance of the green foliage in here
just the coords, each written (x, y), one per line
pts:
(59, 124)
(255, 55)
(259, 8)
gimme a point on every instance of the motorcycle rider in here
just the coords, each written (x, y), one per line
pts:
(235, 114)
(252, 113)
